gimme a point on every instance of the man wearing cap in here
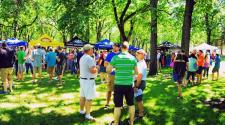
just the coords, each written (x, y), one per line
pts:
(51, 61)
(37, 57)
(88, 73)
(7, 59)
(125, 66)
(111, 75)
(140, 82)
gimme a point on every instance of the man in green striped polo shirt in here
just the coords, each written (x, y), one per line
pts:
(125, 66)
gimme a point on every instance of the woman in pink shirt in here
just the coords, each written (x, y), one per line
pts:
(206, 66)
(70, 58)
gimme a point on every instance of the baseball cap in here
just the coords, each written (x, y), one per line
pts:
(141, 51)
(87, 47)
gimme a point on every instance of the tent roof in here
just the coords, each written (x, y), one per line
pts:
(76, 42)
(204, 46)
(46, 41)
(104, 44)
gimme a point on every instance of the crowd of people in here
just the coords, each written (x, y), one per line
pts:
(193, 68)
(124, 74)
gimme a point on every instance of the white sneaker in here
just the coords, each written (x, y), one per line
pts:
(89, 117)
(82, 112)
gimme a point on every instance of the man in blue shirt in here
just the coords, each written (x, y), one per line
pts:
(216, 67)
(51, 61)
(37, 57)
(111, 76)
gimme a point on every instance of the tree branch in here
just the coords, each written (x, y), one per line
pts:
(165, 12)
(115, 12)
(125, 10)
(141, 10)
(1, 24)
(30, 24)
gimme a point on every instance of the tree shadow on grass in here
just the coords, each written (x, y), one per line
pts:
(24, 116)
(163, 107)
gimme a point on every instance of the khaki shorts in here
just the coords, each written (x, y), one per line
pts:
(37, 70)
(6, 73)
(110, 83)
(51, 70)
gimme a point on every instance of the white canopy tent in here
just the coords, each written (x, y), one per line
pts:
(204, 47)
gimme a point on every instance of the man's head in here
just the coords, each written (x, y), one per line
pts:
(116, 47)
(21, 48)
(38, 45)
(4, 45)
(50, 49)
(158, 51)
(200, 52)
(59, 49)
(88, 49)
(140, 54)
(125, 46)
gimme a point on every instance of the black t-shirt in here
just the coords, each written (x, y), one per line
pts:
(7, 58)
(185, 58)
(62, 58)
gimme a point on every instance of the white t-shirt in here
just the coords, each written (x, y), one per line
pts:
(86, 62)
(158, 56)
(142, 67)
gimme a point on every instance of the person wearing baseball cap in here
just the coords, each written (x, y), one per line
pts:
(111, 75)
(140, 82)
(88, 73)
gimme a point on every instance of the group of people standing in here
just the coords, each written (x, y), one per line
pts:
(124, 74)
(126, 79)
(196, 65)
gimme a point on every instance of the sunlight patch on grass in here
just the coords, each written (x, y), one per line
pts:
(6, 105)
(67, 96)
(5, 117)
(36, 105)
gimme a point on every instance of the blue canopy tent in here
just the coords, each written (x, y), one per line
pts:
(104, 44)
(13, 42)
(133, 48)
(75, 42)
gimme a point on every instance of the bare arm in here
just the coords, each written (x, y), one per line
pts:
(93, 69)
(109, 68)
(106, 63)
(139, 77)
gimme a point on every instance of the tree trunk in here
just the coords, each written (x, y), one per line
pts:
(186, 29)
(131, 30)
(15, 25)
(222, 40)
(208, 29)
(122, 31)
(153, 41)
(87, 31)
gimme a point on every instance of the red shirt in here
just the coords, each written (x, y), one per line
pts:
(200, 60)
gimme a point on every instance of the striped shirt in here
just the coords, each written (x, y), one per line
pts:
(124, 65)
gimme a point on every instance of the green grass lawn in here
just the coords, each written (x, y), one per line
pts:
(47, 104)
